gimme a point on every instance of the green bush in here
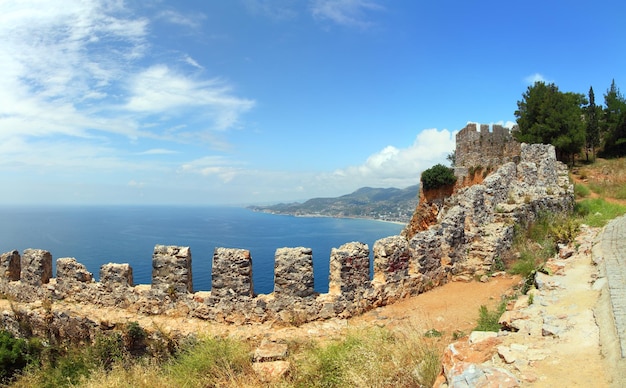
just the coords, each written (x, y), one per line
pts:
(488, 320)
(14, 355)
(437, 176)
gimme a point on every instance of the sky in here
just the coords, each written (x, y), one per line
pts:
(212, 102)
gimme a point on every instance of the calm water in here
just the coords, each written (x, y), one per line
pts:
(128, 234)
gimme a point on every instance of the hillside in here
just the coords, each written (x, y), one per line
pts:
(388, 204)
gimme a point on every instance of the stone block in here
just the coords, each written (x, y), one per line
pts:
(427, 253)
(36, 267)
(10, 266)
(392, 258)
(116, 275)
(171, 269)
(293, 271)
(349, 269)
(68, 269)
(231, 273)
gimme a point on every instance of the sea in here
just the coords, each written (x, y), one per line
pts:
(96, 235)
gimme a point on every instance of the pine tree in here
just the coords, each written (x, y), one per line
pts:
(592, 129)
(614, 122)
(549, 116)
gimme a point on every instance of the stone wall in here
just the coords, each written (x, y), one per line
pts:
(485, 148)
(474, 226)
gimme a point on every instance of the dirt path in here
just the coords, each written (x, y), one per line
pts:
(555, 338)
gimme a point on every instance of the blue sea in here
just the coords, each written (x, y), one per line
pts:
(97, 235)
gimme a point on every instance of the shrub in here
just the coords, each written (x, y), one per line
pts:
(437, 176)
(14, 355)
(370, 358)
(134, 338)
(211, 362)
(488, 320)
(107, 350)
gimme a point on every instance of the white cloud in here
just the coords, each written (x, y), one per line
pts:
(159, 89)
(400, 167)
(171, 16)
(158, 151)
(212, 166)
(189, 60)
(278, 10)
(537, 77)
(75, 71)
(351, 13)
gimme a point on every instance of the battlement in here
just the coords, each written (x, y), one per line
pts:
(488, 147)
(475, 226)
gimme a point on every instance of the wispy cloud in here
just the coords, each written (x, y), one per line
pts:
(278, 10)
(537, 77)
(81, 70)
(217, 166)
(173, 17)
(350, 13)
(158, 151)
(160, 89)
(189, 60)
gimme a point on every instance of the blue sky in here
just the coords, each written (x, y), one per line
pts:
(256, 101)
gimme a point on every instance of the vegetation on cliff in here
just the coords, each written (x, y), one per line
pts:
(437, 176)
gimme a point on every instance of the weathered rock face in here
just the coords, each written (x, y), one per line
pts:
(114, 275)
(391, 259)
(171, 269)
(10, 265)
(232, 273)
(293, 271)
(349, 269)
(36, 267)
(68, 269)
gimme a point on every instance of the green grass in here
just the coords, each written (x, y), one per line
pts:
(488, 319)
(598, 212)
(581, 191)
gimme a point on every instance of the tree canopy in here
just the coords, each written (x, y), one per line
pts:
(592, 125)
(614, 123)
(549, 116)
(437, 176)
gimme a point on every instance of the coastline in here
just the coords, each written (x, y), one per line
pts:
(316, 215)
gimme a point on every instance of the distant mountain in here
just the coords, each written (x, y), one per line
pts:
(388, 204)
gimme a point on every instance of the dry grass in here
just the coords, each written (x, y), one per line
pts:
(367, 357)
(605, 177)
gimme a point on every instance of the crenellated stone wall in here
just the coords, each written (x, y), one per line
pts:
(485, 147)
(474, 226)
